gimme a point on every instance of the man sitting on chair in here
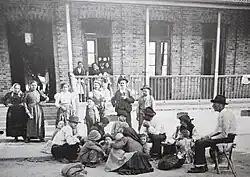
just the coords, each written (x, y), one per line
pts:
(224, 133)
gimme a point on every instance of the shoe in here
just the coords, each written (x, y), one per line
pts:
(66, 161)
(91, 165)
(27, 140)
(197, 170)
(205, 167)
(42, 140)
(16, 139)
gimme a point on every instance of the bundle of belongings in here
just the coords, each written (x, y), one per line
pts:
(74, 170)
(171, 161)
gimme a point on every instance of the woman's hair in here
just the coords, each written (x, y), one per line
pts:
(62, 85)
(33, 81)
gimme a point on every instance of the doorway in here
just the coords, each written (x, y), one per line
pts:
(30, 44)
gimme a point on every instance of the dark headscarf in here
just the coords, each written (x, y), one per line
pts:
(189, 127)
(130, 132)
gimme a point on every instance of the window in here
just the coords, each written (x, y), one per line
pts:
(91, 52)
(159, 48)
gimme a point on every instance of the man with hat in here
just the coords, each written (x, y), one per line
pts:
(154, 130)
(66, 143)
(146, 100)
(122, 99)
(224, 133)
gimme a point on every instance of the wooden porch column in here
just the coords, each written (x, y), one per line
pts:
(217, 55)
(70, 60)
(147, 47)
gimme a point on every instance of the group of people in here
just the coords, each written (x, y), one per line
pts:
(124, 150)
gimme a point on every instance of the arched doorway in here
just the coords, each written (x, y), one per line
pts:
(32, 56)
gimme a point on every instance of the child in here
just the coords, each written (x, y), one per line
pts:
(48, 146)
(91, 153)
(107, 143)
(119, 125)
(146, 146)
(146, 100)
(92, 114)
(185, 146)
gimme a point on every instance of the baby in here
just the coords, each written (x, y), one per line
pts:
(47, 148)
(185, 146)
(146, 146)
(119, 125)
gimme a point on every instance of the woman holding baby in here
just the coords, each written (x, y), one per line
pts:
(126, 156)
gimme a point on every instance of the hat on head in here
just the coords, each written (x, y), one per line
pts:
(74, 119)
(98, 81)
(179, 114)
(146, 87)
(94, 135)
(121, 112)
(219, 99)
(105, 120)
(107, 135)
(149, 112)
(185, 118)
(122, 78)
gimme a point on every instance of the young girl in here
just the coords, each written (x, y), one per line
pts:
(119, 125)
(146, 100)
(185, 145)
(92, 114)
(48, 146)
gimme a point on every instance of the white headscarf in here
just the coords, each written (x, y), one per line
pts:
(13, 88)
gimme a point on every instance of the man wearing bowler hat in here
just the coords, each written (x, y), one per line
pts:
(66, 143)
(225, 132)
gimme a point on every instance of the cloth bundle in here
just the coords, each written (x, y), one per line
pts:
(74, 170)
(171, 161)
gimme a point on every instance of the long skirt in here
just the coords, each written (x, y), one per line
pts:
(35, 126)
(138, 164)
(66, 151)
(16, 120)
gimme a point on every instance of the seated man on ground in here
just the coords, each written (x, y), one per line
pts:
(91, 153)
(224, 133)
(154, 130)
(66, 143)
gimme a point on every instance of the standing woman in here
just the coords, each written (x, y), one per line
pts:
(122, 100)
(32, 103)
(16, 118)
(65, 101)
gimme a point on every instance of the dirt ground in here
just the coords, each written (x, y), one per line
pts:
(53, 168)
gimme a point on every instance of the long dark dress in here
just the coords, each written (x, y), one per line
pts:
(16, 117)
(122, 105)
(35, 125)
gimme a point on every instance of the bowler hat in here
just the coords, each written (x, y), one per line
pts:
(122, 78)
(146, 87)
(74, 119)
(148, 111)
(219, 99)
(94, 135)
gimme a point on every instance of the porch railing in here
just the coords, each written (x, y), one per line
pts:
(173, 87)
(85, 85)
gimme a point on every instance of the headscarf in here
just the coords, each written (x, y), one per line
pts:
(130, 132)
(13, 88)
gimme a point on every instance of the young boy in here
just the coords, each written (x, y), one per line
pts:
(119, 125)
(92, 114)
(146, 146)
(146, 100)
(106, 146)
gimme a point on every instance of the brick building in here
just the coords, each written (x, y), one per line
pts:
(154, 37)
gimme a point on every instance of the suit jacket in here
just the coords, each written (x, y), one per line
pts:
(77, 73)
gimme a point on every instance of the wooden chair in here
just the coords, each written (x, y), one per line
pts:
(227, 152)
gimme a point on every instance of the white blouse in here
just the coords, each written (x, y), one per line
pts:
(64, 98)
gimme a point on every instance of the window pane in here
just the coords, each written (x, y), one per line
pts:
(151, 47)
(164, 70)
(165, 60)
(91, 59)
(151, 70)
(91, 46)
(151, 59)
(165, 46)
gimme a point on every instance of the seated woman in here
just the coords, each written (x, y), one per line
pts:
(66, 143)
(126, 155)
(180, 135)
(91, 153)
(154, 130)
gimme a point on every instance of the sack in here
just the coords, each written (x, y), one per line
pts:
(47, 148)
(170, 161)
(74, 170)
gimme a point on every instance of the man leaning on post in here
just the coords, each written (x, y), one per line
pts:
(224, 133)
